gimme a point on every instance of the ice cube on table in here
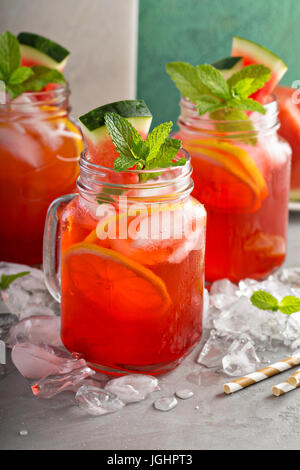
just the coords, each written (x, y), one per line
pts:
(37, 361)
(49, 386)
(6, 322)
(241, 358)
(214, 349)
(38, 329)
(223, 293)
(97, 401)
(132, 388)
(289, 276)
(27, 295)
(165, 403)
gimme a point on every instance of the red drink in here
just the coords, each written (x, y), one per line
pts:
(39, 151)
(242, 178)
(289, 116)
(132, 270)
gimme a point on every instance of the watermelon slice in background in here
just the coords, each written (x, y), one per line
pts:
(101, 149)
(253, 53)
(39, 50)
(289, 116)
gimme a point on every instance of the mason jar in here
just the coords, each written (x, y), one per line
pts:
(131, 264)
(241, 171)
(39, 150)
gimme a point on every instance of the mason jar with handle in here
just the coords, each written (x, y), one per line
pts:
(131, 267)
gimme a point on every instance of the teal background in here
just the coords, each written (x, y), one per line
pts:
(200, 31)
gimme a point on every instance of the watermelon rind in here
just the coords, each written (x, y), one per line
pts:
(229, 66)
(42, 50)
(135, 111)
(259, 54)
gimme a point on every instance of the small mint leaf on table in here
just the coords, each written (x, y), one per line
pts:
(289, 304)
(264, 300)
(7, 279)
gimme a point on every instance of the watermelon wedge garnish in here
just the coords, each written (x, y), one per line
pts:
(229, 65)
(39, 50)
(101, 149)
(253, 53)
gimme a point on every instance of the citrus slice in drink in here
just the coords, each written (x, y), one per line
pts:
(229, 178)
(114, 282)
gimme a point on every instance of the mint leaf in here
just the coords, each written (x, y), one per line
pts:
(10, 56)
(156, 138)
(206, 86)
(19, 75)
(186, 78)
(246, 104)
(260, 74)
(7, 279)
(166, 155)
(126, 139)
(264, 300)
(213, 79)
(208, 103)
(289, 304)
(41, 77)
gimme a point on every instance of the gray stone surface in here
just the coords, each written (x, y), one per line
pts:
(250, 419)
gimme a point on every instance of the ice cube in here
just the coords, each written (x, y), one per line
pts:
(165, 403)
(39, 329)
(27, 295)
(222, 293)
(241, 358)
(49, 386)
(21, 146)
(97, 401)
(132, 388)
(290, 276)
(214, 349)
(35, 361)
(6, 322)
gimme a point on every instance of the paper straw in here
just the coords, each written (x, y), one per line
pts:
(294, 379)
(283, 388)
(261, 374)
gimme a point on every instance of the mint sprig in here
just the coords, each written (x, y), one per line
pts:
(266, 301)
(7, 279)
(207, 88)
(18, 79)
(157, 151)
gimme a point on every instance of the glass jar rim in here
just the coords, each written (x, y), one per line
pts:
(95, 168)
(55, 96)
(191, 122)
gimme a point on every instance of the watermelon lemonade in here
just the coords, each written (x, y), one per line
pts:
(132, 249)
(228, 123)
(39, 144)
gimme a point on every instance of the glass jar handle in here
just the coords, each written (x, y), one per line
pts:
(50, 259)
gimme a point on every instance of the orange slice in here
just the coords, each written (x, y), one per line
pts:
(233, 180)
(114, 282)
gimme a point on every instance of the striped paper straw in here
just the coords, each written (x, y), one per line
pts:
(294, 379)
(261, 374)
(283, 388)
